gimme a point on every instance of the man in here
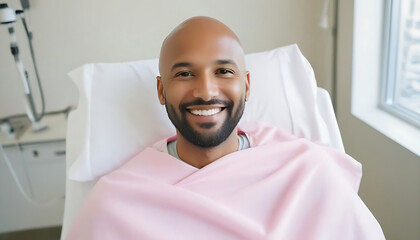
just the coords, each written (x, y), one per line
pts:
(215, 181)
(203, 85)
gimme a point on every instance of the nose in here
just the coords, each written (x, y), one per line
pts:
(206, 87)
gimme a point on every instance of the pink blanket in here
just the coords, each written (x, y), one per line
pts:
(280, 188)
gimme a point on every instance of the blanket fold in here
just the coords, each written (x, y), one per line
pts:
(280, 188)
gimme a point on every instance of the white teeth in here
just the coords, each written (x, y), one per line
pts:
(208, 112)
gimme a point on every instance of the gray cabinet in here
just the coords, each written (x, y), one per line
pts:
(40, 168)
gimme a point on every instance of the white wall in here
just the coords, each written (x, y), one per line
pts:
(391, 174)
(68, 34)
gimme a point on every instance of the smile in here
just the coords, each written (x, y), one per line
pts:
(205, 112)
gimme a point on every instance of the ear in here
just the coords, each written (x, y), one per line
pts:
(160, 90)
(247, 86)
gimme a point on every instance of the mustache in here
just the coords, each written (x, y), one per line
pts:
(197, 102)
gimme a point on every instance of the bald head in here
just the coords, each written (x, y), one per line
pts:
(203, 85)
(199, 38)
(201, 25)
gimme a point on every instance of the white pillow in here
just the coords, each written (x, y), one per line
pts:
(119, 114)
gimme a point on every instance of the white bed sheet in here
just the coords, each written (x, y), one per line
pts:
(308, 108)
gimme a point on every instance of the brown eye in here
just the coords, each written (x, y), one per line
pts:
(183, 74)
(224, 71)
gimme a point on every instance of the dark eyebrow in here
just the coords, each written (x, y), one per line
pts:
(226, 61)
(218, 62)
(181, 64)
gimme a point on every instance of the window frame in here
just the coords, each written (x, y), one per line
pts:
(391, 41)
(367, 76)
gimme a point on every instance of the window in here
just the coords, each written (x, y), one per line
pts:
(368, 93)
(401, 91)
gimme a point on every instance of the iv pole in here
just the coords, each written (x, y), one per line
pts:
(324, 24)
(8, 16)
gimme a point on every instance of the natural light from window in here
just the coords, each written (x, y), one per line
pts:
(401, 94)
(386, 68)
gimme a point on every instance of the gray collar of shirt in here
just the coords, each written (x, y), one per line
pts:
(243, 143)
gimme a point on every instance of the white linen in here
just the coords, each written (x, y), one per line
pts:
(119, 113)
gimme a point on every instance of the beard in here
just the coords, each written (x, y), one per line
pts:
(206, 140)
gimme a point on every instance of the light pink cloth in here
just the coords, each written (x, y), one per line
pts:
(280, 188)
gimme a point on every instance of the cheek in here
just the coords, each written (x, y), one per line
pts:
(175, 95)
(235, 91)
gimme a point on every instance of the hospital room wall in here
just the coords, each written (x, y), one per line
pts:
(68, 34)
(391, 173)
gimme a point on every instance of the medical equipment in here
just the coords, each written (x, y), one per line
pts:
(9, 16)
(121, 98)
(29, 199)
(38, 161)
(324, 23)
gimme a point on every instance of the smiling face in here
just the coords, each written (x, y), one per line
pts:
(203, 81)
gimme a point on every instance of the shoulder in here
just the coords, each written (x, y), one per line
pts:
(332, 163)
(262, 134)
(161, 145)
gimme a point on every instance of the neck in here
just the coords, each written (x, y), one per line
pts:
(199, 157)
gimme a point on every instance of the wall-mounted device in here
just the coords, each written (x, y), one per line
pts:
(8, 16)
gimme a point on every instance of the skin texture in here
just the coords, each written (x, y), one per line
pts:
(202, 67)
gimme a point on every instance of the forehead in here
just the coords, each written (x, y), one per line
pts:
(205, 51)
(200, 46)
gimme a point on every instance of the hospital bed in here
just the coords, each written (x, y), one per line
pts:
(119, 114)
